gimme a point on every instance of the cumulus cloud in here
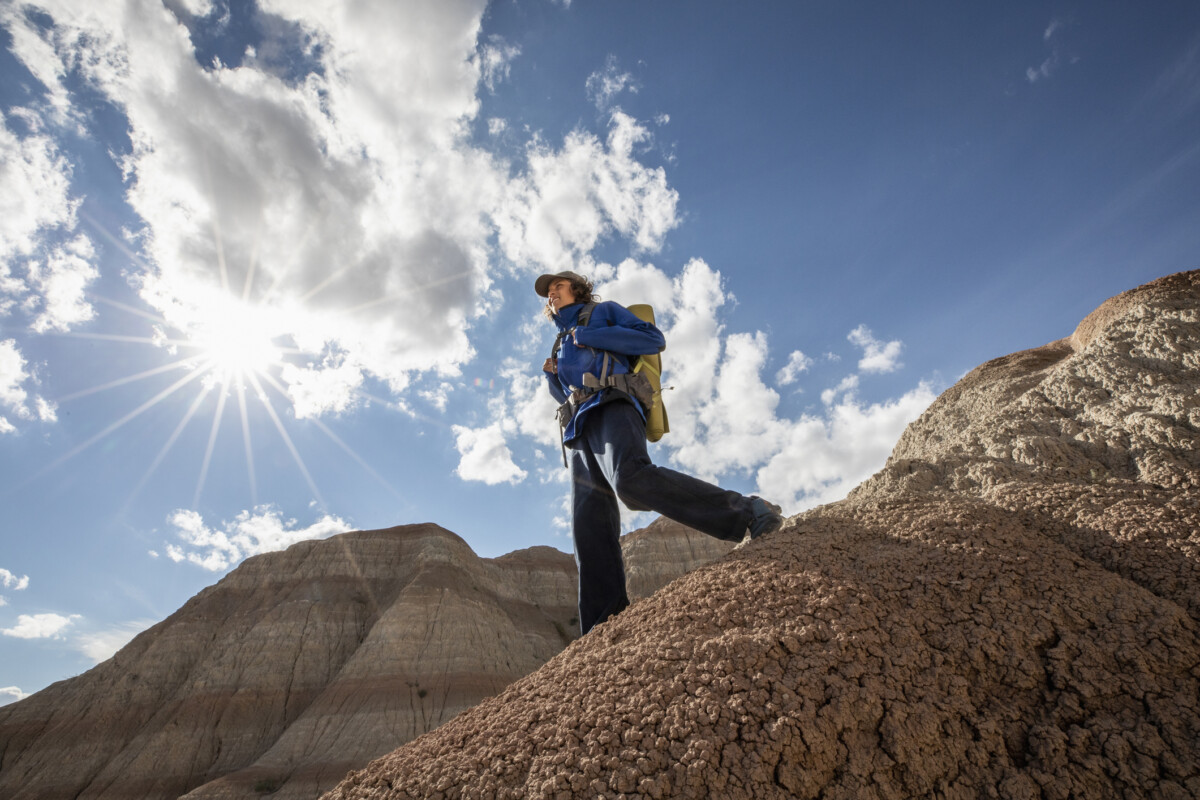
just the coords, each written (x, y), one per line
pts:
(737, 424)
(15, 395)
(847, 385)
(319, 390)
(37, 276)
(101, 645)
(9, 580)
(822, 458)
(574, 197)
(349, 211)
(11, 694)
(40, 626)
(333, 194)
(61, 281)
(36, 196)
(877, 356)
(725, 419)
(790, 373)
(495, 56)
(485, 456)
(262, 530)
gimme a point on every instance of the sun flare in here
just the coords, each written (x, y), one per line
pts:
(235, 339)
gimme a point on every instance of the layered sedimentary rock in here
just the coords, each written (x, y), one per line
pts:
(299, 666)
(1008, 609)
(662, 551)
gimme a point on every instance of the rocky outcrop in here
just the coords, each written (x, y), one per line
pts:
(1008, 609)
(302, 665)
(662, 551)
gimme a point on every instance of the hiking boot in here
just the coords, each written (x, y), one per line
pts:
(768, 517)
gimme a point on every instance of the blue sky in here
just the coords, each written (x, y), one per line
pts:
(266, 268)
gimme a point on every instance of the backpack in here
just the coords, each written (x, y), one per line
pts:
(651, 367)
(644, 380)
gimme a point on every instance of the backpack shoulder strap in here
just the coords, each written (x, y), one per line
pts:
(585, 316)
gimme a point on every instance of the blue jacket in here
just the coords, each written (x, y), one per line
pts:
(612, 328)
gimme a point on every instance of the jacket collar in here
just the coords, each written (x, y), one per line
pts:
(565, 319)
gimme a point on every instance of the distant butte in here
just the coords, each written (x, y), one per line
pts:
(302, 665)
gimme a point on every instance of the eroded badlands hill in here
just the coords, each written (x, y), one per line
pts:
(1009, 609)
(300, 666)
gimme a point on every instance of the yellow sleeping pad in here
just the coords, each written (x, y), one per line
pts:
(651, 367)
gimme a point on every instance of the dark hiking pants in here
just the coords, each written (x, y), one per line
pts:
(609, 460)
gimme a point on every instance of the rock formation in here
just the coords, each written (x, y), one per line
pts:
(302, 665)
(1009, 609)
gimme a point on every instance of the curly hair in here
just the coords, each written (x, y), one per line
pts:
(582, 292)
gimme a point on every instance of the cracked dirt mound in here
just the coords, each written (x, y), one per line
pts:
(1008, 609)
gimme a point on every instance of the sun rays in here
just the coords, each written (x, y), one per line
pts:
(228, 354)
(228, 350)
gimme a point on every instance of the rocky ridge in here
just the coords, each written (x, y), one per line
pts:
(302, 665)
(1008, 609)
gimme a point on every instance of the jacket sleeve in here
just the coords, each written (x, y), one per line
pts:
(556, 390)
(621, 332)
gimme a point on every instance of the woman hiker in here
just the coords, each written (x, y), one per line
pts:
(604, 438)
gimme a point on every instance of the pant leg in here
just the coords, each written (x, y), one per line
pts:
(615, 433)
(596, 529)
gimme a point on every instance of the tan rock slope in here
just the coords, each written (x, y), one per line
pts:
(300, 666)
(1009, 609)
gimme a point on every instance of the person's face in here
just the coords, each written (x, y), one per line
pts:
(560, 294)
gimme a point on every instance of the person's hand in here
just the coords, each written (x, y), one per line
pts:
(551, 366)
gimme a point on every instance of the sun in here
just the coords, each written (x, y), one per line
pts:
(235, 339)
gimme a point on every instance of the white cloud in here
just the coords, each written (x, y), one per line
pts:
(494, 59)
(877, 356)
(62, 281)
(485, 456)
(36, 205)
(45, 410)
(790, 373)
(820, 459)
(605, 84)
(39, 626)
(36, 196)
(573, 198)
(738, 426)
(14, 396)
(9, 580)
(12, 375)
(438, 396)
(530, 403)
(331, 388)
(262, 530)
(11, 694)
(100, 646)
(848, 385)
(347, 203)
(724, 418)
